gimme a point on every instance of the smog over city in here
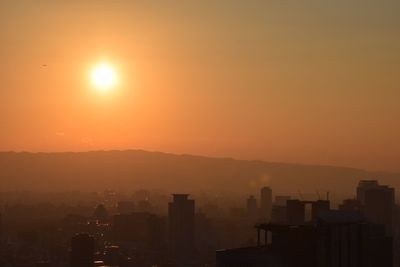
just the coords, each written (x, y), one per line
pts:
(214, 133)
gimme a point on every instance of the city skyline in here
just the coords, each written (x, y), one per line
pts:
(213, 133)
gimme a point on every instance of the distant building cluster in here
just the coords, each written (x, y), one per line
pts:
(156, 230)
(362, 232)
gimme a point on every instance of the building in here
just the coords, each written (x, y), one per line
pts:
(379, 205)
(336, 239)
(181, 229)
(291, 246)
(206, 238)
(346, 239)
(278, 214)
(362, 187)
(295, 212)
(251, 206)
(82, 251)
(266, 203)
(318, 207)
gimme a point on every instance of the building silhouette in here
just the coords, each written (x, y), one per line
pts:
(82, 251)
(318, 207)
(181, 229)
(336, 239)
(278, 214)
(377, 203)
(362, 188)
(295, 211)
(346, 239)
(379, 206)
(266, 203)
(251, 206)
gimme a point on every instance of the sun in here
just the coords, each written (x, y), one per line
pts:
(104, 77)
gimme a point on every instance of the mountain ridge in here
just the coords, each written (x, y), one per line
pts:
(136, 169)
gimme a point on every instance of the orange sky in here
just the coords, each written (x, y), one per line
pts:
(310, 82)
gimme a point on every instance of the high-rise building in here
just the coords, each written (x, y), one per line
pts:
(377, 203)
(181, 231)
(345, 239)
(379, 206)
(362, 187)
(251, 205)
(266, 203)
(82, 251)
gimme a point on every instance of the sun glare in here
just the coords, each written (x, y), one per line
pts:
(104, 77)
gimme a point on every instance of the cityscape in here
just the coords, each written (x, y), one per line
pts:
(149, 229)
(208, 133)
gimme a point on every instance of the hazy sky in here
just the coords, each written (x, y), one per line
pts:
(297, 81)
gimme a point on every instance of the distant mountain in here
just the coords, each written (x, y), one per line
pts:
(136, 169)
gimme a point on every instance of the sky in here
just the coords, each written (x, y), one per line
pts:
(312, 82)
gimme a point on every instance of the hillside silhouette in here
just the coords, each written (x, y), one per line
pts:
(137, 169)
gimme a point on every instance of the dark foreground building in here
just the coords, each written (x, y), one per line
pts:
(377, 203)
(337, 239)
(82, 251)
